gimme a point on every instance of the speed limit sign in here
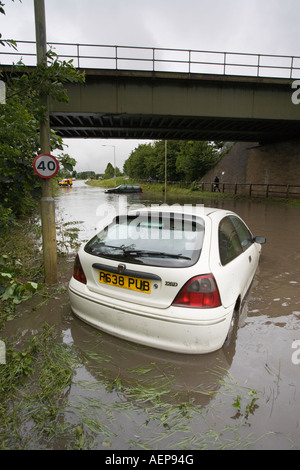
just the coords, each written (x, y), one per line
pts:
(45, 165)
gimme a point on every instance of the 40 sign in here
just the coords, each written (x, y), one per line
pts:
(45, 165)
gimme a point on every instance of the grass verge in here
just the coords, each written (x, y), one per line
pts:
(185, 190)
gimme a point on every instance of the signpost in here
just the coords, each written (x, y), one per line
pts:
(45, 165)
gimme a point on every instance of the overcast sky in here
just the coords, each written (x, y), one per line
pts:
(257, 26)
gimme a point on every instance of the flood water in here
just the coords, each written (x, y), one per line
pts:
(246, 395)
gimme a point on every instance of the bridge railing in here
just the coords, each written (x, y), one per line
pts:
(160, 59)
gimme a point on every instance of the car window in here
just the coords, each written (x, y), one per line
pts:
(243, 232)
(155, 239)
(229, 242)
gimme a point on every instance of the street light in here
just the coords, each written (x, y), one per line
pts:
(114, 147)
(166, 158)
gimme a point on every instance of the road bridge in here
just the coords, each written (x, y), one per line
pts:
(172, 105)
(147, 93)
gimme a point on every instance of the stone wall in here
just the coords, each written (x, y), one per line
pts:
(249, 162)
(274, 163)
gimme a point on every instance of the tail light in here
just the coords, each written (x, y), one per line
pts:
(78, 272)
(200, 291)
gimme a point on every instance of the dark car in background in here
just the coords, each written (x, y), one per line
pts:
(125, 188)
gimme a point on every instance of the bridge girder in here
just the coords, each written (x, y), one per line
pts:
(109, 126)
(149, 105)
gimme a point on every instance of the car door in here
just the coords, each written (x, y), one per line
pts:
(232, 267)
(249, 248)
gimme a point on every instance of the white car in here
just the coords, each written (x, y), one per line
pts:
(172, 278)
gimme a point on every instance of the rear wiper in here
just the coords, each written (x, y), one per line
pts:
(155, 253)
(99, 250)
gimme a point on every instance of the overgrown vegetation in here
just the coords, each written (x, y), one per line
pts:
(24, 407)
(21, 266)
(187, 160)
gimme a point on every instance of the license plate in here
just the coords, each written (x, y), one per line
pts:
(126, 282)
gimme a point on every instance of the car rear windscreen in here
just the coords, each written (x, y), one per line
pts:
(151, 238)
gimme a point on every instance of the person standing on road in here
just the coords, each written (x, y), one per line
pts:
(216, 183)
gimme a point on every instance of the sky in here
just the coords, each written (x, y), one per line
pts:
(253, 26)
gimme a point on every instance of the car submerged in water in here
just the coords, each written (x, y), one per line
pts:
(125, 189)
(172, 278)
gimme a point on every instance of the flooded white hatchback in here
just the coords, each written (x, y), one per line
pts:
(169, 277)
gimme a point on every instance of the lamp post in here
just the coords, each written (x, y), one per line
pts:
(166, 159)
(114, 147)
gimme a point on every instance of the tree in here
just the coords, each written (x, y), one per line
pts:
(7, 42)
(141, 162)
(195, 159)
(186, 160)
(173, 148)
(109, 171)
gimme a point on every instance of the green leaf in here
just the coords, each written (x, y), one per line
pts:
(8, 275)
(33, 286)
(237, 403)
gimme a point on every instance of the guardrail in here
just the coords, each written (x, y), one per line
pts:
(157, 59)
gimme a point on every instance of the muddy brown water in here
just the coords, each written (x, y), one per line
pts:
(126, 396)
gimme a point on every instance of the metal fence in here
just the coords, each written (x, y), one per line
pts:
(187, 61)
(254, 189)
(243, 189)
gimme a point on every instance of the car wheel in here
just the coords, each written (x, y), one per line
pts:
(232, 332)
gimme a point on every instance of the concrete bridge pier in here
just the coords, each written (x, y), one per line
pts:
(249, 162)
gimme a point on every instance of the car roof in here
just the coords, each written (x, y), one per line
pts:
(188, 209)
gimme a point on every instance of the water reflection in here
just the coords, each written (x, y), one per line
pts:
(177, 377)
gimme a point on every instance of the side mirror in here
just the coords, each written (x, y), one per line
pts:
(260, 240)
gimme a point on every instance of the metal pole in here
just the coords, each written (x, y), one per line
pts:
(78, 55)
(114, 147)
(166, 158)
(47, 201)
(114, 162)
